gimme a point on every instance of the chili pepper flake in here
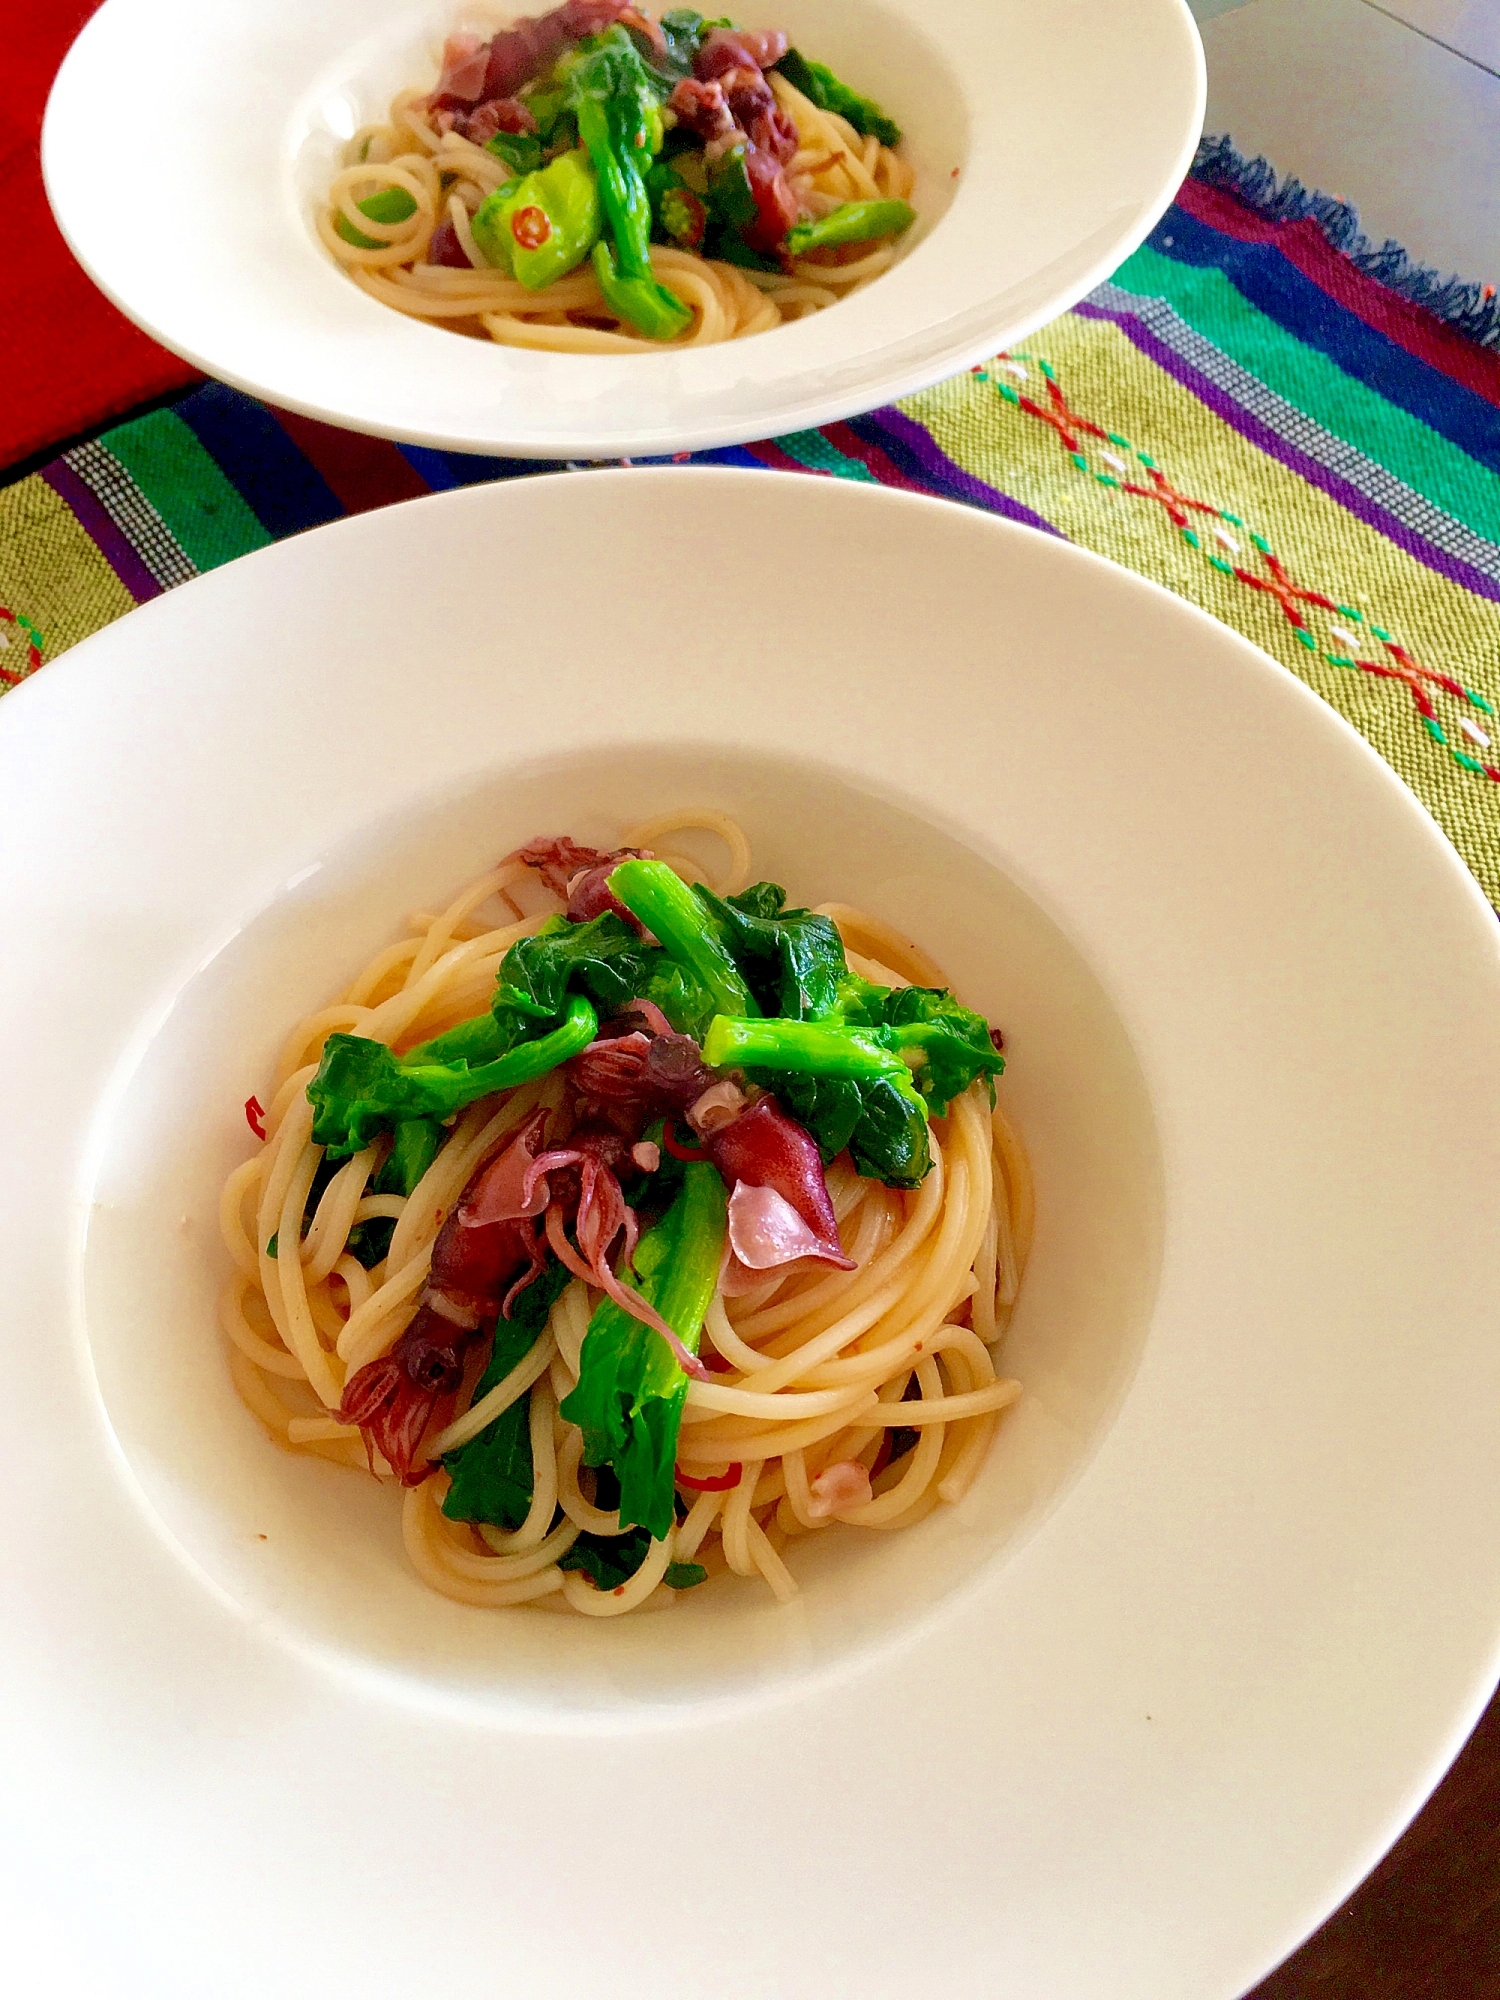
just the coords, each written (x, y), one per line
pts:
(676, 1148)
(531, 227)
(255, 1111)
(729, 1477)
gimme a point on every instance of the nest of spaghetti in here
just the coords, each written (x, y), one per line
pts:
(637, 1226)
(598, 181)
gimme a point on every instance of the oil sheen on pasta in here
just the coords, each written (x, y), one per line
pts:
(433, 1293)
(598, 181)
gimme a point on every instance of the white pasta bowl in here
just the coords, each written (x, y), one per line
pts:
(1047, 139)
(1134, 1715)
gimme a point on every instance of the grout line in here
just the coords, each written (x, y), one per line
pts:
(1402, 22)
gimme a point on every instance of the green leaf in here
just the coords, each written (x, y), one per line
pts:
(413, 1150)
(791, 960)
(950, 1043)
(362, 1089)
(817, 81)
(731, 199)
(630, 1391)
(683, 30)
(521, 151)
(606, 958)
(492, 1474)
(555, 125)
(684, 1576)
(480, 1039)
(687, 1005)
(883, 1125)
(830, 1107)
(731, 248)
(609, 1559)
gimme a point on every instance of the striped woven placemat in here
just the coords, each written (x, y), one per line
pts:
(1289, 428)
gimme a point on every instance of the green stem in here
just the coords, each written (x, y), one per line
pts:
(472, 1042)
(854, 222)
(519, 1065)
(665, 904)
(811, 1048)
(630, 1391)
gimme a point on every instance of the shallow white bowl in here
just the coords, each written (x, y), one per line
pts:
(1048, 137)
(1127, 1722)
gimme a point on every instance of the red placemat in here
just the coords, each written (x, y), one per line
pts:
(68, 360)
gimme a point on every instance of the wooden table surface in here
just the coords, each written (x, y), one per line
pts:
(1426, 1924)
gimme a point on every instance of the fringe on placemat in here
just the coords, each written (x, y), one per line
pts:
(1473, 309)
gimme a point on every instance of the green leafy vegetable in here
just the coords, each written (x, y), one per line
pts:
(866, 1073)
(844, 1084)
(731, 209)
(476, 1041)
(362, 1089)
(859, 1065)
(670, 910)
(791, 960)
(654, 312)
(492, 1474)
(676, 212)
(555, 125)
(817, 81)
(606, 958)
(731, 199)
(618, 107)
(539, 228)
(852, 222)
(817, 1048)
(946, 1044)
(683, 31)
(879, 1118)
(387, 204)
(731, 248)
(413, 1150)
(684, 1576)
(922, 1038)
(521, 151)
(628, 1402)
(609, 1560)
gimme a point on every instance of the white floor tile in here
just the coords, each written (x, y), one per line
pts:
(1356, 104)
(1471, 27)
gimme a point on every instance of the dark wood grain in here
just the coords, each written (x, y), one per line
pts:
(1426, 1924)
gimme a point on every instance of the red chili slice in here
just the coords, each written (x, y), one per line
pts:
(531, 227)
(255, 1111)
(676, 1148)
(729, 1477)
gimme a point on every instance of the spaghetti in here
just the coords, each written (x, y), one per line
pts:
(844, 1327)
(640, 184)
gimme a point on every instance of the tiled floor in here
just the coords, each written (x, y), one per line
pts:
(1394, 104)
(1468, 27)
